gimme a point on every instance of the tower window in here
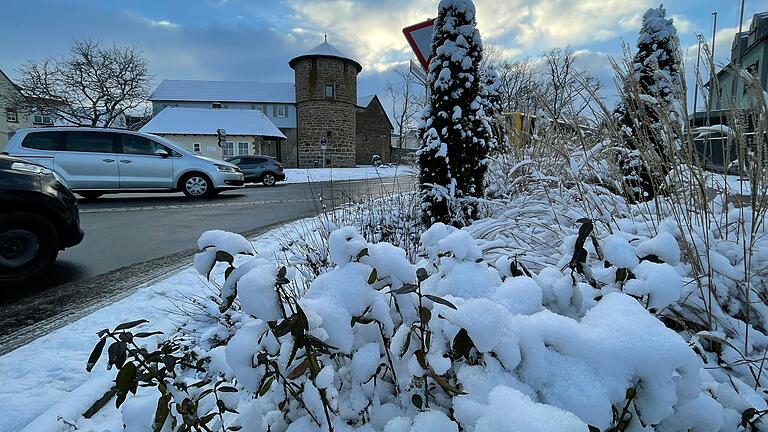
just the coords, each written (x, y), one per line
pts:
(216, 105)
(329, 91)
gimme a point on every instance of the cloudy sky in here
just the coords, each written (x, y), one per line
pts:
(254, 39)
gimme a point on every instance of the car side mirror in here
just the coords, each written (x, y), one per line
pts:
(162, 153)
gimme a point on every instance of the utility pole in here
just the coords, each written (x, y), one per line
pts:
(737, 62)
(712, 75)
(696, 83)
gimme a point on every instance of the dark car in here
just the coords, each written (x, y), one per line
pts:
(259, 169)
(38, 217)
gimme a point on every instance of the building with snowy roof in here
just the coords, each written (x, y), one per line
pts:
(321, 103)
(247, 131)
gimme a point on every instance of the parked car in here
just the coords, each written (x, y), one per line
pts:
(93, 162)
(259, 169)
(38, 218)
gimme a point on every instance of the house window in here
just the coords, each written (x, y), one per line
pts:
(228, 149)
(329, 91)
(261, 108)
(11, 115)
(243, 148)
(216, 105)
(42, 119)
(280, 111)
(196, 147)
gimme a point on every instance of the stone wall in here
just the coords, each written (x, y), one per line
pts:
(318, 116)
(373, 134)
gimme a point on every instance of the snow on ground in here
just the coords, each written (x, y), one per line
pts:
(46, 379)
(361, 172)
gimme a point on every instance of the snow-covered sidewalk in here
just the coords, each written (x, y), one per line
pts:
(361, 172)
(45, 384)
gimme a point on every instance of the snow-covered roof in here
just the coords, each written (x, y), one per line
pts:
(224, 91)
(205, 121)
(325, 50)
(364, 101)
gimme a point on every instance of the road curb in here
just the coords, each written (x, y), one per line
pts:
(28, 319)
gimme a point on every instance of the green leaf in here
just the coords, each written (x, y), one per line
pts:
(95, 354)
(421, 358)
(130, 324)
(425, 314)
(373, 277)
(440, 300)
(227, 389)
(125, 381)
(117, 353)
(267, 384)
(282, 272)
(363, 252)
(406, 345)
(146, 334)
(462, 344)
(417, 401)
(421, 274)
(228, 271)
(224, 256)
(161, 413)
(405, 289)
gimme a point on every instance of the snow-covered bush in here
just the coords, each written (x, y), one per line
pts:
(380, 343)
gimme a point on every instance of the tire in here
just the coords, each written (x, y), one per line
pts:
(89, 196)
(29, 245)
(196, 185)
(268, 179)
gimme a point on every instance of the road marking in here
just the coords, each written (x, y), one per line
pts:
(186, 206)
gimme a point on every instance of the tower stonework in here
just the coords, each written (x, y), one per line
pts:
(326, 106)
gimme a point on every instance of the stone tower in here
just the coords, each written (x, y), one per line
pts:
(326, 104)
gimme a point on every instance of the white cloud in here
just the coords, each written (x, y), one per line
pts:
(162, 24)
(368, 29)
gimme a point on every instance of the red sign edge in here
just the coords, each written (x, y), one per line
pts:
(407, 32)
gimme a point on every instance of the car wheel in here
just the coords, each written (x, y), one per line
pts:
(90, 195)
(29, 244)
(196, 186)
(268, 180)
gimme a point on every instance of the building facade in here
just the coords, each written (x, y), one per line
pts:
(247, 132)
(326, 106)
(374, 130)
(321, 103)
(750, 51)
(11, 117)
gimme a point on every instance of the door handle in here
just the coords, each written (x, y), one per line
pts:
(108, 160)
(126, 160)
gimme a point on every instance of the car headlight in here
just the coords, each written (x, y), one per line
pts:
(225, 168)
(30, 168)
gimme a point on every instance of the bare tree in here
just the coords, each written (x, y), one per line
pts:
(565, 88)
(93, 86)
(518, 85)
(407, 96)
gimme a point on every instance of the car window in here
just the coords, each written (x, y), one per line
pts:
(138, 145)
(256, 161)
(235, 161)
(92, 142)
(42, 141)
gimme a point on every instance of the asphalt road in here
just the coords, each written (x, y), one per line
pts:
(133, 239)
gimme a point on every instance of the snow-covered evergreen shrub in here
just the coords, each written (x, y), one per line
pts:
(650, 94)
(452, 342)
(457, 133)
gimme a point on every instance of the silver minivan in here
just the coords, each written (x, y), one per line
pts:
(97, 161)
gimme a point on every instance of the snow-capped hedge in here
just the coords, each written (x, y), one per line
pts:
(453, 341)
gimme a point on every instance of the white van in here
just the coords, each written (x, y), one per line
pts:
(97, 161)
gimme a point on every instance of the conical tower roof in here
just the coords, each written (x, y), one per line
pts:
(325, 50)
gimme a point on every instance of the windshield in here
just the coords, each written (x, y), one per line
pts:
(177, 147)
